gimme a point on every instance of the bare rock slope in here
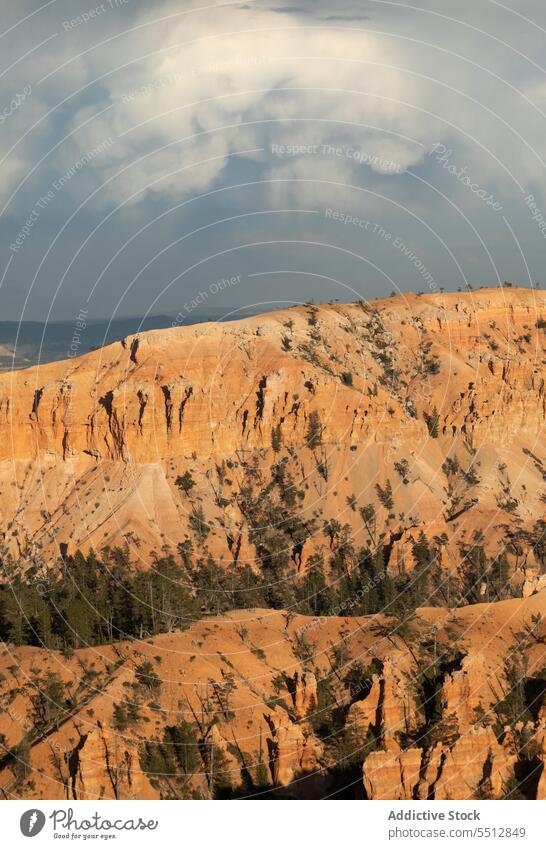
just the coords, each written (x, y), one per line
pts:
(262, 702)
(349, 397)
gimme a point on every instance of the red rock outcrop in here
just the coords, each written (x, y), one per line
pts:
(95, 748)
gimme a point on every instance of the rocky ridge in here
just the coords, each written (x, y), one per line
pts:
(287, 706)
(351, 397)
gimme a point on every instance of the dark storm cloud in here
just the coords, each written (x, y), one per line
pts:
(150, 150)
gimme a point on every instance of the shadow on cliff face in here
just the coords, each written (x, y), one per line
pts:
(336, 783)
(527, 772)
(535, 695)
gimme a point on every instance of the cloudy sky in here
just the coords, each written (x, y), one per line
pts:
(314, 149)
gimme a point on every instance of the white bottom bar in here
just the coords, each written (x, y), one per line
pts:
(274, 824)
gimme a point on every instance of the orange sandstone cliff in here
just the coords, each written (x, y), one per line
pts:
(260, 707)
(91, 448)
(372, 427)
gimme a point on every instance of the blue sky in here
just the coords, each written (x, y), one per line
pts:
(151, 150)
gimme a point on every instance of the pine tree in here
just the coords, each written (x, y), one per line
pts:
(313, 436)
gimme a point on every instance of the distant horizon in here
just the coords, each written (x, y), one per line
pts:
(255, 309)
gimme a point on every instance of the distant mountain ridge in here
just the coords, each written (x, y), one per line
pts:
(28, 343)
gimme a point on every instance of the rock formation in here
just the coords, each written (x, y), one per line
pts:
(390, 451)
(303, 735)
(91, 449)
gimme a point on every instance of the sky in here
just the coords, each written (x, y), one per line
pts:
(162, 156)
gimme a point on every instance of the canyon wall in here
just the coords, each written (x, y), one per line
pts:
(91, 448)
